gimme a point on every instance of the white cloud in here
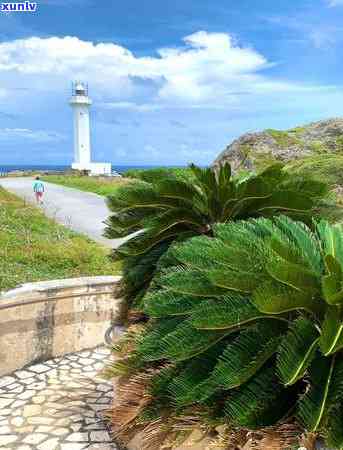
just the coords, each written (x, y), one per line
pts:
(333, 3)
(39, 136)
(130, 106)
(217, 87)
(208, 68)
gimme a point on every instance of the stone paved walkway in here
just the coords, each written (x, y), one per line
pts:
(57, 405)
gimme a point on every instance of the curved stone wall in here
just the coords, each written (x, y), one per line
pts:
(42, 320)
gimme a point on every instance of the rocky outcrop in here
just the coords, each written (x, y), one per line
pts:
(257, 150)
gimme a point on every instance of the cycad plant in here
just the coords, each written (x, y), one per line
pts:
(248, 329)
(167, 208)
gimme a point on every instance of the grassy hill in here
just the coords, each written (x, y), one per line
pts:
(35, 248)
(316, 148)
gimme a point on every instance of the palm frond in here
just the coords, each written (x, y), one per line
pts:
(190, 282)
(331, 339)
(312, 407)
(304, 242)
(260, 402)
(334, 432)
(332, 240)
(186, 342)
(297, 350)
(245, 356)
(148, 346)
(332, 283)
(163, 303)
(274, 298)
(231, 311)
(187, 387)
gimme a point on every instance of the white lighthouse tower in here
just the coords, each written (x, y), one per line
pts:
(80, 102)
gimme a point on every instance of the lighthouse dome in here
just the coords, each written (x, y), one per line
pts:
(80, 89)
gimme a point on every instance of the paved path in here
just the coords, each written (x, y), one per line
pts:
(57, 405)
(84, 212)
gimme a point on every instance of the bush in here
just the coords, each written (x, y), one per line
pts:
(246, 330)
(166, 209)
(160, 172)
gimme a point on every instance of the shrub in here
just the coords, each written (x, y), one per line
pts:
(247, 329)
(161, 172)
(166, 209)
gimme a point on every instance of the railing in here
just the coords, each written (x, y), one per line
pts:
(44, 300)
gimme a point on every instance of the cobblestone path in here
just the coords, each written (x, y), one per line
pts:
(56, 405)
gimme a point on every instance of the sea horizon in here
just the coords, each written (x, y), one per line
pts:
(7, 168)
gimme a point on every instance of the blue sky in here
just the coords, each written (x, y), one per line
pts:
(172, 81)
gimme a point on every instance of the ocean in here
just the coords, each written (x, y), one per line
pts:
(120, 169)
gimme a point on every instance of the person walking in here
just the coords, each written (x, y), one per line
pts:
(38, 189)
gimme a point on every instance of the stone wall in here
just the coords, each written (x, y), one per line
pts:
(42, 320)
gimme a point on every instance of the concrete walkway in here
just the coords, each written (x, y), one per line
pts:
(83, 212)
(57, 405)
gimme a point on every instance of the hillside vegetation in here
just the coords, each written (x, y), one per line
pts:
(35, 248)
(328, 167)
(316, 148)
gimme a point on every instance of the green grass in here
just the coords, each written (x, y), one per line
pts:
(108, 186)
(102, 186)
(148, 174)
(325, 167)
(35, 248)
(283, 138)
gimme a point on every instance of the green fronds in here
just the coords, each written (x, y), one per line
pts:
(160, 382)
(187, 387)
(334, 431)
(332, 240)
(332, 283)
(163, 303)
(331, 339)
(200, 253)
(279, 201)
(174, 218)
(242, 317)
(226, 312)
(190, 282)
(312, 407)
(293, 275)
(260, 402)
(240, 281)
(187, 342)
(178, 189)
(273, 298)
(167, 206)
(245, 356)
(148, 346)
(297, 350)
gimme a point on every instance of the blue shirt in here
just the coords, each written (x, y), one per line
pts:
(38, 186)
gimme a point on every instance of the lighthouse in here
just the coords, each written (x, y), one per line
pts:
(80, 103)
